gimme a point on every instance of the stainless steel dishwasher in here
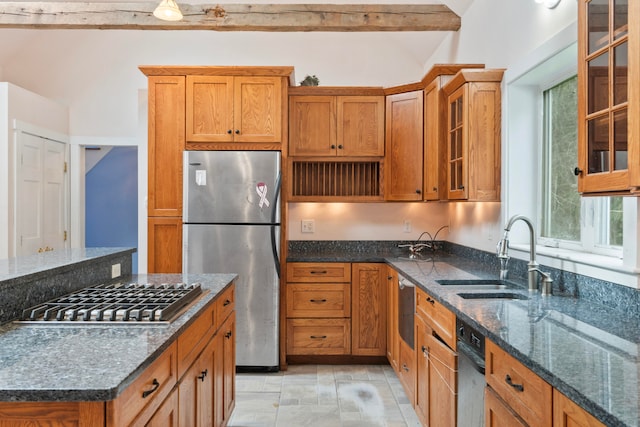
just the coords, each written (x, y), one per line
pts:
(471, 380)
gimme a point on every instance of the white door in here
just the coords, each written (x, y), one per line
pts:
(41, 194)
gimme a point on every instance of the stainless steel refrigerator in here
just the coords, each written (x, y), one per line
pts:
(231, 221)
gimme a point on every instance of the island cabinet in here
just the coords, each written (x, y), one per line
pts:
(436, 362)
(404, 146)
(473, 135)
(191, 384)
(608, 95)
(336, 309)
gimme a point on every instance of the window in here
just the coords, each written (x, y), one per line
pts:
(568, 220)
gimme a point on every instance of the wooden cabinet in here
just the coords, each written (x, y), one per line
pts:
(473, 135)
(404, 146)
(567, 414)
(164, 204)
(497, 413)
(318, 308)
(528, 395)
(369, 314)
(167, 413)
(336, 309)
(393, 337)
(407, 370)
(233, 109)
(203, 108)
(608, 94)
(228, 331)
(436, 363)
(326, 125)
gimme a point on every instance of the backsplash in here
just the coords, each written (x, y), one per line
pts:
(608, 294)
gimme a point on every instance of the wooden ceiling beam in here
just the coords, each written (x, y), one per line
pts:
(231, 17)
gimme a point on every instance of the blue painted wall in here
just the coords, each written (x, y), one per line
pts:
(111, 201)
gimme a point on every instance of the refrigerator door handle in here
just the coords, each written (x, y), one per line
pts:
(274, 213)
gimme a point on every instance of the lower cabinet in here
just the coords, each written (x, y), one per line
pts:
(336, 309)
(167, 413)
(393, 337)
(566, 413)
(497, 413)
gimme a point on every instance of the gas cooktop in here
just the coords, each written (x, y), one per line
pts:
(124, 303)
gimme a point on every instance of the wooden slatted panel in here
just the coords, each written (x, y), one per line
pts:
(336, 179)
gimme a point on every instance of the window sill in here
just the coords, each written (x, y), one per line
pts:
(608, 268)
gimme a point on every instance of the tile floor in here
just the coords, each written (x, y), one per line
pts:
(322, 396)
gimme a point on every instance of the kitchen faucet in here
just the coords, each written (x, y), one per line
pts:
(415, 248)
(533, 268)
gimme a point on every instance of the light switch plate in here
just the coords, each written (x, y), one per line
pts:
(308, 226)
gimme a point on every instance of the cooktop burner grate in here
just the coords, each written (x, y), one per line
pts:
(127, 303)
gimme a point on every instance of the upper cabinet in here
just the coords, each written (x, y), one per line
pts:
(235, 109)
(403, 159)
(336, 125)
(473, 135)
(609, 93)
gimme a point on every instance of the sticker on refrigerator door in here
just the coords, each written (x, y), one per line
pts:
(261, 189)
(201, 177)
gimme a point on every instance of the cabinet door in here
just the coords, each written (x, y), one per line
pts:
(368, 314)
(403, 158)
(497, 413)
(312, 126)
(457, 169)
(422, 371)
(228, 331)
(443, 383)
(164, 243)
(407, 371)
(257, 114)
(567, 414)
(360, 125)
(434, 166)
(166, 143)
(196, 390)
(209, 109)
(167, 413)
(393, 344)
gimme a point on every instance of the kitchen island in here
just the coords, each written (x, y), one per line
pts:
(117, 374)
(585, 350)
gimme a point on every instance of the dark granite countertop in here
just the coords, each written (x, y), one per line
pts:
(30, 267)
(91, 362)
(587, 351)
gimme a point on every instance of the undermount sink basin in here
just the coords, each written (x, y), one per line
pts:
(479, 284)
(492, 295)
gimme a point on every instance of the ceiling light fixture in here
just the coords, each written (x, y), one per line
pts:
(549, 4)
(168, 10)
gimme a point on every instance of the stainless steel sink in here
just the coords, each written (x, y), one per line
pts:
(479, 284)
(492, 295)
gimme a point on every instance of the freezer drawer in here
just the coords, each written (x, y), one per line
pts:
(247, 251)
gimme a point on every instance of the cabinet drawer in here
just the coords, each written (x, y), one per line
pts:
(319, 272)
(225, 304)
(192, 341)
(144, 395)
(526, 393)
(497, 413)
(318, 336)
(318, 300)
(438, 317)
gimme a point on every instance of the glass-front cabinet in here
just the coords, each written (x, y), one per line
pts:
(609, 94)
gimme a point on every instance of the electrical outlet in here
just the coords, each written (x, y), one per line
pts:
(115, 270)
(406, 226)
(308, 226)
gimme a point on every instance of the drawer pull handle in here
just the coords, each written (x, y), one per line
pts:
(318, 272)
(431, 300)
(203, 375)
(318, 337)
(405, 367)
(155, 384)
(226, 303)
(318, 301)
(425, 352)
(518, 387)
(228, 334)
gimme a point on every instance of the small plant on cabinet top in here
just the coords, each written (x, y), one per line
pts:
(310, 81)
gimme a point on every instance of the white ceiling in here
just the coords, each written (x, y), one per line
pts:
(419, 46)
